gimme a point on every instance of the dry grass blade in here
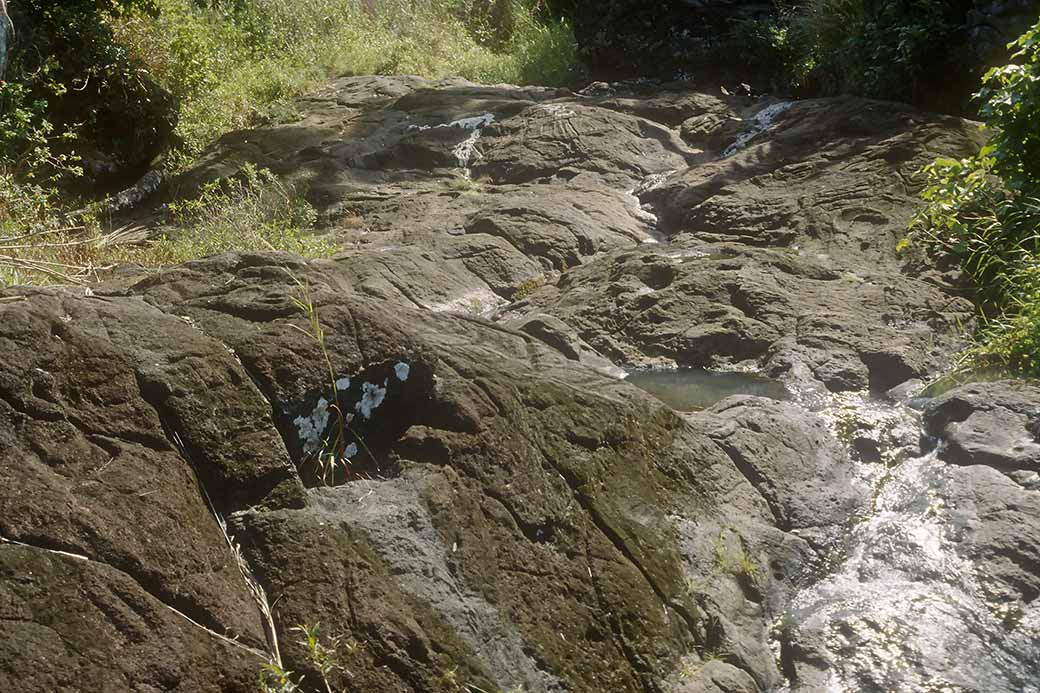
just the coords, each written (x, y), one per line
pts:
(38, 234)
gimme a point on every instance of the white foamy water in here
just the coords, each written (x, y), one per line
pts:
(902, 611)
(760, 122)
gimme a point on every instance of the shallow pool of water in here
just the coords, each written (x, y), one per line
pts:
(692, 389)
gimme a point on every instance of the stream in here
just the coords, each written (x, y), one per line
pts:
(897, 608)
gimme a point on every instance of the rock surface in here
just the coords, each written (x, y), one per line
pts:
(514, 518)
(995, 424)
(504, 513)
(768, 232)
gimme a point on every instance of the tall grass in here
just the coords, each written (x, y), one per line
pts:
(254, 211)
(227, 64)
(232, 63)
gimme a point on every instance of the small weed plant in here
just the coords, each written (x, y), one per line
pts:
(738, 562)
(332, 459)
(322, 654)
(252, 211)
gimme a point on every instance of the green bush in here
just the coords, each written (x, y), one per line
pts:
(232, 63)
(108, 85)
(879, 48)
(64, 56)
(891, 49)
(773, 50)
(985, 212)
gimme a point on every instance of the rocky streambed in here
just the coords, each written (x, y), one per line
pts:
(517, 516)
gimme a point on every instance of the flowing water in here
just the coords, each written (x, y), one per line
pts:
(898, 610)
(901, 610)
(760, 122)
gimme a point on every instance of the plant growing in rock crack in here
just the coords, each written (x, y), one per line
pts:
(740, 564)
(695, 586)
(323, 656)
(467, 186)
(336, 450)
(691, 668)
(529, 286)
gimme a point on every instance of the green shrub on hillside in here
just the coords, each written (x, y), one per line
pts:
(879, 48)
(985, 211)
(122, 74)
(231, 63)
(108, 85)
(64, 57)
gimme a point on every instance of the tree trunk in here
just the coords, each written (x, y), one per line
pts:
(6, 36)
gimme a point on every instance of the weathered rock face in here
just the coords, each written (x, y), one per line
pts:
(504, 512)
(993, 424)
(657, 225)
(512, 519)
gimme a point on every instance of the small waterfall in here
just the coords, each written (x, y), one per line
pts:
(760, 122)
(464, 150)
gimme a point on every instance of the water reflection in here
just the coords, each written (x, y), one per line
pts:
(692, 389)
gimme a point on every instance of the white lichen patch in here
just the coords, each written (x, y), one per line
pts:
(372, 396)
(350, 451)
(401, 370)
(343, 384)
(310, 428)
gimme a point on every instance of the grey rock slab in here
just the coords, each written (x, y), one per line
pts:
(988, 423)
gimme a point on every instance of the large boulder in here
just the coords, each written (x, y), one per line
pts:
(502, 517)
(992, 423)
(658, 224)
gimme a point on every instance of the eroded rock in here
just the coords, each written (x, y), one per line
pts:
(990, 424)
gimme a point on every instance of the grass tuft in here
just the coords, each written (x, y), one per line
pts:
(254, 211)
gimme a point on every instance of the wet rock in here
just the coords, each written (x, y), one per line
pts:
(783, 252)
(988, 423)
(992, 515)
(792, 459)
(450, 477)
(569, 138)
(556, 334)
